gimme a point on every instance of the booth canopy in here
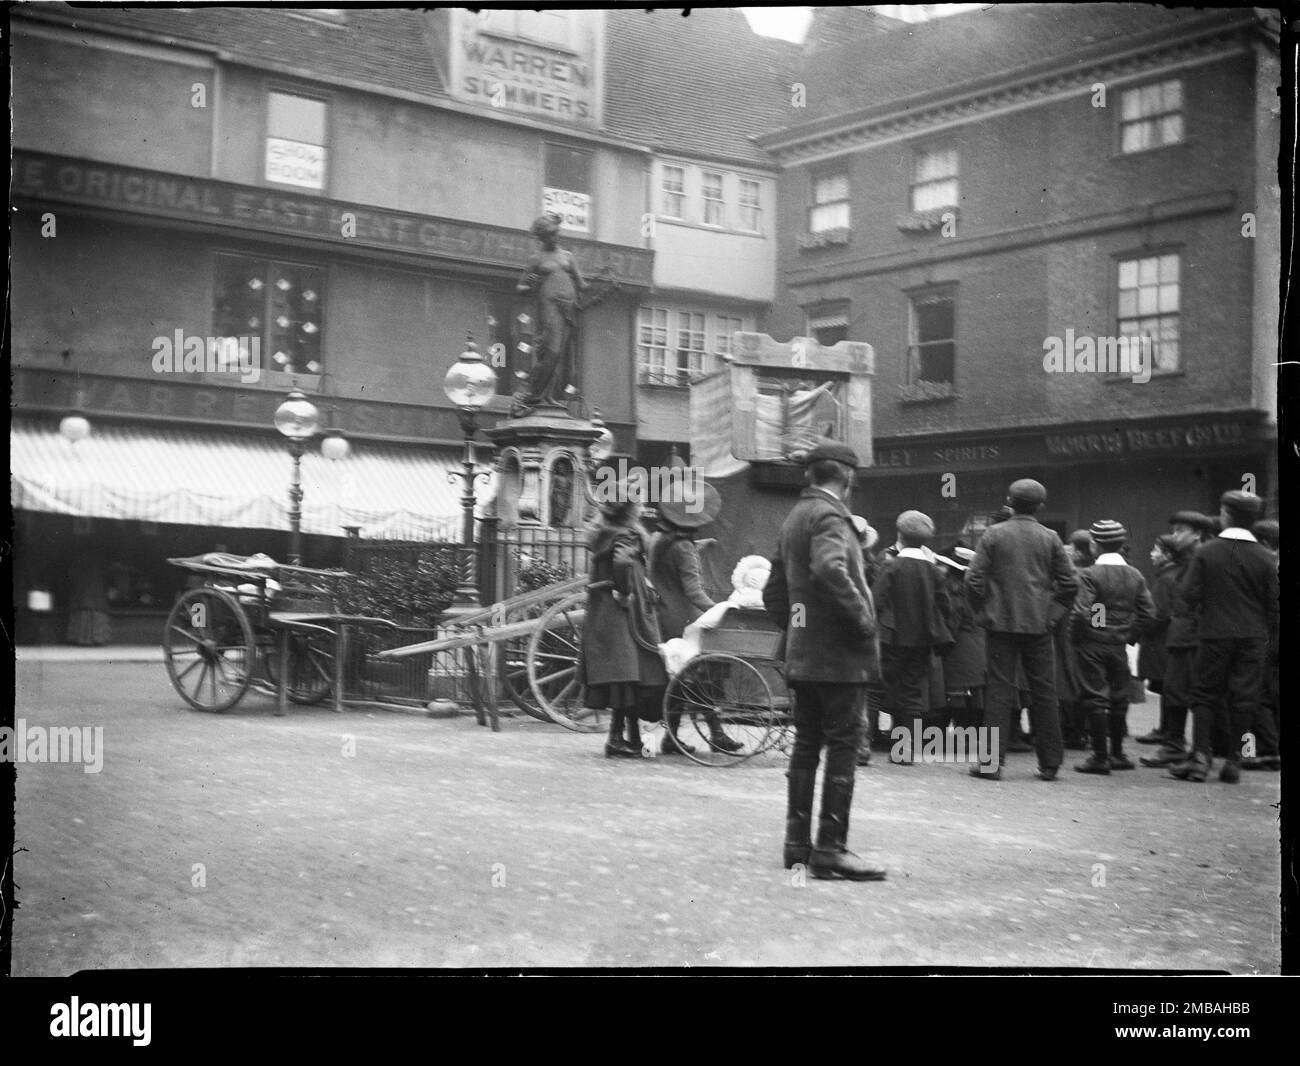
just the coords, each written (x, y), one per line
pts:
(208, 478)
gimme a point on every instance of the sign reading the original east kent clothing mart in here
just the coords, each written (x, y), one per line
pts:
(61, 179)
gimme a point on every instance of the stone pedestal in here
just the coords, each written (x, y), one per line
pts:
(542, 469)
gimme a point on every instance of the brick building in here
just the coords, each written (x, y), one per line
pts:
(347, 192)
(1077, 171)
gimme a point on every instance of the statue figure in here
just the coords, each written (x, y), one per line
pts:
(554, 280)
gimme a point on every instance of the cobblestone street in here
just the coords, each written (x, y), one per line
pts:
(383, 839)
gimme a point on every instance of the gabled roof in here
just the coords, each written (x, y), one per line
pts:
(941, 56)
(700, 85)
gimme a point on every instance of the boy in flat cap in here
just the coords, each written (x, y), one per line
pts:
(1019, 568)
(1112, 610)
(818, 595)
(1231, 589)
(911, 603)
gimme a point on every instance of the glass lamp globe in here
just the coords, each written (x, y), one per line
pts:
(297, 418)
(470, 382)
(75, 427)
(335, 446)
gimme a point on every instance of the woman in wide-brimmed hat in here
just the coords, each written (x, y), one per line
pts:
(620, 635)
(675, 572)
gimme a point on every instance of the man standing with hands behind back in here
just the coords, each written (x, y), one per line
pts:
(1018, 570)
(818, 594)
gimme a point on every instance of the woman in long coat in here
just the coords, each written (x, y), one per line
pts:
(675, 573)
(620, 635)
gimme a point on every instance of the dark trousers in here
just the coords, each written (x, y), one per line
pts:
(1102, 672)
(906, 673)
(827, 715)
(1035, 653)
(1226, 694)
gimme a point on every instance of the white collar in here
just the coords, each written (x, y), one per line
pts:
(1110, 559)
(1237, 533)
(924, 554)
(833, 495)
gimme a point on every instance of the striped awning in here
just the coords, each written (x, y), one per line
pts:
(166, 474)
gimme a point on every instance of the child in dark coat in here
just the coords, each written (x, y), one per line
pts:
(911, 605)
(1112, 609)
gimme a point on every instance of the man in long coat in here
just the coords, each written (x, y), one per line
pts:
(818, 594)
(1019, 568)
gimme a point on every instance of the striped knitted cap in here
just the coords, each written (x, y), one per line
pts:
(1108, 531)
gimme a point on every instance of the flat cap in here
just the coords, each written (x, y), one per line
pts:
(841, 453)
(1194, 519)
(914, 524)
(1268, 532)
(1243, 506)
(1029, 490)
(1108, 531)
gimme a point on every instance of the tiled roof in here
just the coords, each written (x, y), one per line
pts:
(385, 47)
(700, 85)
(946, 53)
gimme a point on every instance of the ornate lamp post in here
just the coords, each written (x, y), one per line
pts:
(298, 419)
(469, 384)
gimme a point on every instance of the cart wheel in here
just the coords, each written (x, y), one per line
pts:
(554, 656)
(513, 671)
(311, 667)
(209, 650)
(726, 693)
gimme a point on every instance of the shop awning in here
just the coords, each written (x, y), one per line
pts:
(167, 474)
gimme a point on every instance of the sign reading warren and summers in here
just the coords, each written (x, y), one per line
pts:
(545, 64)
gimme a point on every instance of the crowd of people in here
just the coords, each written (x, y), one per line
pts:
(970, 637)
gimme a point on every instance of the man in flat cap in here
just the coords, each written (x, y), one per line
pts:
(1019, 569)
(1231, 588)
(818, 594)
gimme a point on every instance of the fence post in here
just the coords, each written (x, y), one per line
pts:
(488, 539)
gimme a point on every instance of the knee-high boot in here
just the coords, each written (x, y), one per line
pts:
(633, 723)
(1098, 762)
(616, 747)
(800, 787)
(831, 858)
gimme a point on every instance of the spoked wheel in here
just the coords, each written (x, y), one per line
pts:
(727, 711)
(554, 658)
(513, 671)
(311, 667)
(209, 650)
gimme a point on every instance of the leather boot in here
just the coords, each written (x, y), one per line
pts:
(830, 858)
(1168, 755)
(672, 744)
(718, 739)
(616, 747)
(1195, 768)
(1099, 761)
(801, 784)
(633, 724)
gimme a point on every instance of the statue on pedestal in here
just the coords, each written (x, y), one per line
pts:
(554, 280)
